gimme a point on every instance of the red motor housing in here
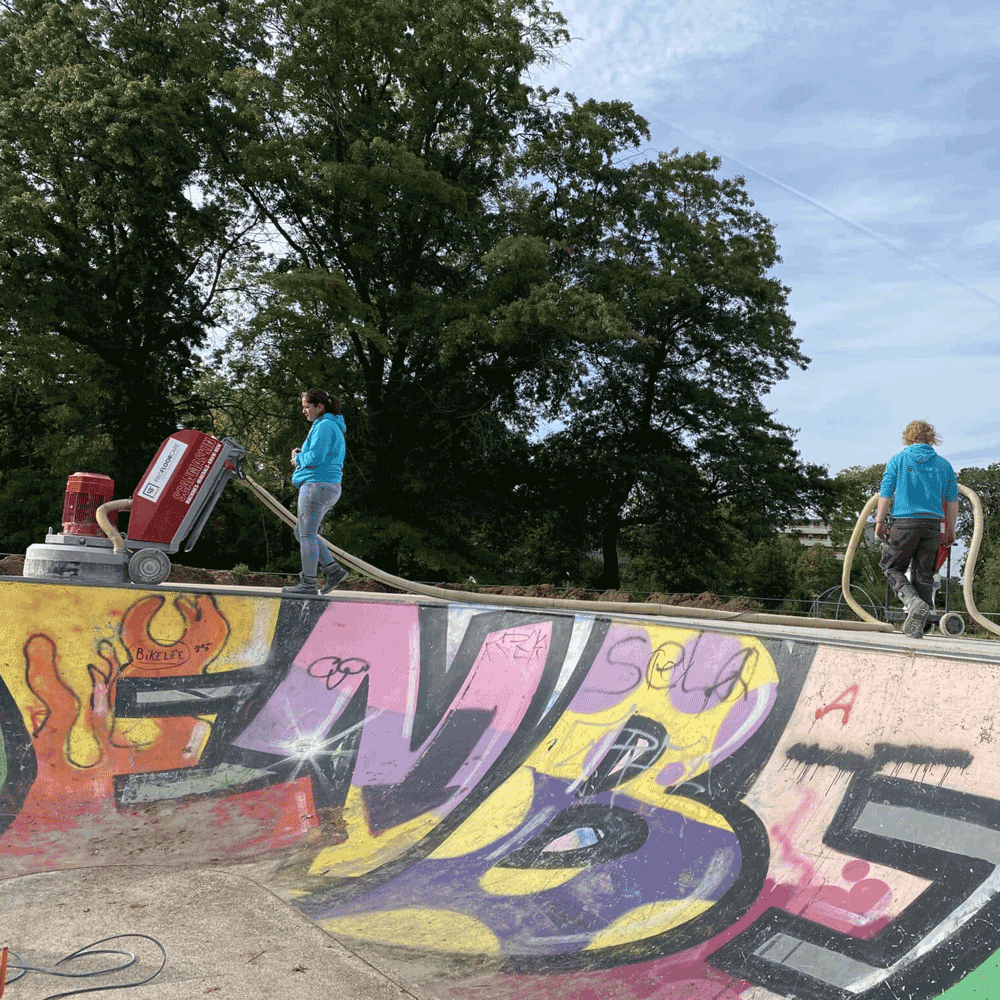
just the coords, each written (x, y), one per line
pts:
(85, 492)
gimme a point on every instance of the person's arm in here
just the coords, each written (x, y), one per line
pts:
(950, 519)
(881, 528)
(886, 495)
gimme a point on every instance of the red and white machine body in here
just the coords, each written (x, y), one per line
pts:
(179, 489)
(169, 509)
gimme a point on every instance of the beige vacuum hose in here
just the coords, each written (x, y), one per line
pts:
(107, 527)
(667, 610)
(970, 561)
(852, 547)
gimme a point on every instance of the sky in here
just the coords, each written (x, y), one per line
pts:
(867, 133)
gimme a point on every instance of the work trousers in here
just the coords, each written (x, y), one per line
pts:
(913, 542)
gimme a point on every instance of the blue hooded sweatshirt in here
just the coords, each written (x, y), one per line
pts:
(321, 459)
(921, 482)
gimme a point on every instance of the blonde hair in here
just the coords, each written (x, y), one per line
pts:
(920, 432)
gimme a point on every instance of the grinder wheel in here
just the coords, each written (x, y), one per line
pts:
(149, 567)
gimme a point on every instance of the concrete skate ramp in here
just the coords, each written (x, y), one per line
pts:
(501, 802)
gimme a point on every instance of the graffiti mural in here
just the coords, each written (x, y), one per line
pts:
(624, 805)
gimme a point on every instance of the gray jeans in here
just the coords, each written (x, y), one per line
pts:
(913, 541)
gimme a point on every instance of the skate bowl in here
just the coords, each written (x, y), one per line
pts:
(463, 801)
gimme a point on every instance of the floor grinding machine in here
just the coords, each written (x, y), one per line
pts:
(167, 513)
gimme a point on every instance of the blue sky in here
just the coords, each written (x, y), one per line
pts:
(867, 133)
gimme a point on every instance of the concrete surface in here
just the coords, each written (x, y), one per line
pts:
(371, 797)
(224, 936)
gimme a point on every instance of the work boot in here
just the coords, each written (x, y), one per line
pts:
(307, 585)
(917, 611)
(333, 578)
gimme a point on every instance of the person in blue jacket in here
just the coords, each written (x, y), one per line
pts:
(920, 487)
(319, 466)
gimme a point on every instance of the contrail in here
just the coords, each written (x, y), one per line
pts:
(829, 211)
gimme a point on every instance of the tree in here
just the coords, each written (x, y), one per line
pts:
(853, 488)
(113, 221)
(669, 419)
(817, 570)
(771, 571)
(386, 164)
(34, 466)
(374, 200)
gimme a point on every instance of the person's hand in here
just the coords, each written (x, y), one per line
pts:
(948, 536)
(881, 531)
(295, 451)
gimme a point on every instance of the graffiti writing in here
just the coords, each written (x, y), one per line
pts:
(558, 792)
(944, 836)
(696, 682)
(882, 755)
(844, 702)
(176, 656)
(329, 667)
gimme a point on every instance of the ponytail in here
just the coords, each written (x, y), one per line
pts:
(331, 404)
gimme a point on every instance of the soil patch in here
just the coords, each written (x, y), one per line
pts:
(13, 565)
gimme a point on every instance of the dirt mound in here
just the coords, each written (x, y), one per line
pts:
(365, 585)
(12, 566)
(615, 597)
(227, 578)
(189, 574)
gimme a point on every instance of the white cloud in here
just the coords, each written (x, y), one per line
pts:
(940, 32)
(855, 129)
(982, 235)
(628, 49)
(802, 91)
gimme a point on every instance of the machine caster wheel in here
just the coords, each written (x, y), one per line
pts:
(951, 624)
(149, 567)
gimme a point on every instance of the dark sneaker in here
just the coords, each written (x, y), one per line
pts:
(916, 616)
(302, 587)
(333, 579)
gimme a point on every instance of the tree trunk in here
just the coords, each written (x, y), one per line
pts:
(611, 578)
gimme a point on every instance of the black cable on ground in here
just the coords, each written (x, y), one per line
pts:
(84, 952)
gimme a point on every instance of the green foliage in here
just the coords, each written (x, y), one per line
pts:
(112, 225)
(816, 571)
(853, 488)
(45, 436)
(369, 197)
(404, 283)
(240, 530)
(398, 548)
(667, 420)
(986, 484)
(770, 574)
(783, 574)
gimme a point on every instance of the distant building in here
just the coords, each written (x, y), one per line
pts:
(811, 533)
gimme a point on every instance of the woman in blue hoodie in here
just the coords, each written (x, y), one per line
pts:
(318, 465)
